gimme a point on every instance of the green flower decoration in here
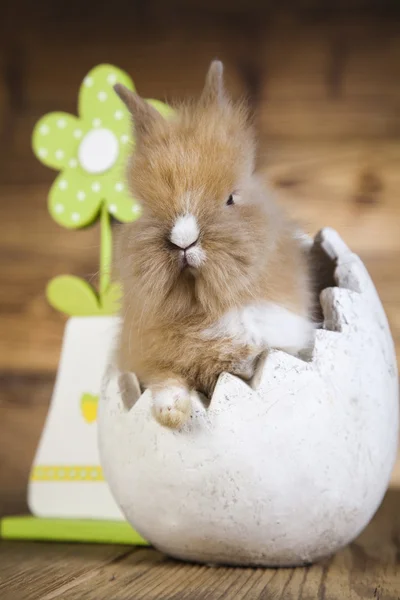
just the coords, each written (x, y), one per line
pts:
(90, 151)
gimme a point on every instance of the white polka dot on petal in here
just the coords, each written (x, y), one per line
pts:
(73, 163)
(102, 96)
(96, 187)
(43, 152)
(112, 208)
(119, 187)
(124, 139)
(44, 129)
(135, 209)
(96, 122)
(63, 184)
(118, 115)
(59, 208)
(78, 133)
(61, 123)
(59, 154)
(75, 217)
(88, 81)
(81, 195)
(111, 78)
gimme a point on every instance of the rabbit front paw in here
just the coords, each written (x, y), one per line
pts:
(171, 405)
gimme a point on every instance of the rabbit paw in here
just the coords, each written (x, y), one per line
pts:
(171, 406)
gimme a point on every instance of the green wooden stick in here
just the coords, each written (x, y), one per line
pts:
(105, 251)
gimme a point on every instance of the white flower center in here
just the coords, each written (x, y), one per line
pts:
(98, 151)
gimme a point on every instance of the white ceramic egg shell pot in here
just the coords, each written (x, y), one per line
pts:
(280, 473)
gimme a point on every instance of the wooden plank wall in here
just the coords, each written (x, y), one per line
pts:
(324, 81)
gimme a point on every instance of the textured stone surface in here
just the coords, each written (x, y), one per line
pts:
(281, 473)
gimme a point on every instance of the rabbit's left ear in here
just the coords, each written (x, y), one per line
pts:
(144, 115)
(214, 90)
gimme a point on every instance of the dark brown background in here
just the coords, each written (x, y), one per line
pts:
(324, 80)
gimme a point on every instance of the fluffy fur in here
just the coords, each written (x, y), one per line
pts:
(184, 306)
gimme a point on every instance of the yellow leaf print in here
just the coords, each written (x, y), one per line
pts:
(89, 404)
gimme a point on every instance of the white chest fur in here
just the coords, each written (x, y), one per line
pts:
(263, 325)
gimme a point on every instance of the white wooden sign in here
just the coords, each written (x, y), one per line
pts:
(67, 480)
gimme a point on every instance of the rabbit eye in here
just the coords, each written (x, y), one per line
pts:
(230, 200)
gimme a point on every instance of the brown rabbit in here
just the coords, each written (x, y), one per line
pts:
(213, 273)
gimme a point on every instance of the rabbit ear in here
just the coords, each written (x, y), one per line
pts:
(214, 91)
(144, 115)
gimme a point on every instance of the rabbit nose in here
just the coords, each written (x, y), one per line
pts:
(187, 247)
(185, 232)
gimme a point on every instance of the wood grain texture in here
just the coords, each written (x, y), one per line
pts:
(336, 78)
(368, 568)
(45, 569)
(326, 88)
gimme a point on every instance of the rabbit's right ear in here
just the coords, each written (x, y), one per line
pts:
(214, 90)
(144, 115)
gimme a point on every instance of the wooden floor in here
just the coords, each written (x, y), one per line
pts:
(325, 86)
(368, 568)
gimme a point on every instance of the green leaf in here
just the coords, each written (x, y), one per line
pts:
(89, 404)
(73, 296)
(111, 300)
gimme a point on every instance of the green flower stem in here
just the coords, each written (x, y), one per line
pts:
(105, 251)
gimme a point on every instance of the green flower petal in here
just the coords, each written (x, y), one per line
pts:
(99, 105)
(56, 138)
(75, 198)
(120, 203)
(111, 300)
